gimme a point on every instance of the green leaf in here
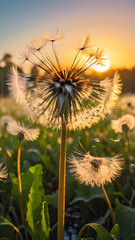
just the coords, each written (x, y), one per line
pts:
(125, 217)
(52, 199)
(36, 197)
(87, 239)
(49, 164)
(102, 233)
(37, 211)
(43, 226)
(88, 194)
(115, 232)
(5, 227)
(4, 238)
(27, 180)
(131, 237)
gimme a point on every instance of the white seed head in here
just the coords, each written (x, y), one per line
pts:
(123, 124)
(95, 170)
(22, 133)
(4, 120)
(3, 172)
(63, 95)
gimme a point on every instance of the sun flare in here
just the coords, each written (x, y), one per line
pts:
(104, 66)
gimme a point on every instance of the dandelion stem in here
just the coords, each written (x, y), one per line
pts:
(61, 195)
(19, 182)
(109, 205)
(127, 148)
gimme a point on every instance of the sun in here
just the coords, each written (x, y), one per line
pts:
(105, 65)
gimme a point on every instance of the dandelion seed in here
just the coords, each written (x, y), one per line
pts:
(3, 172)
(84, 48)
(95, 170)
(22, 133)
(53, 38)
(123, 124)
(37, 44)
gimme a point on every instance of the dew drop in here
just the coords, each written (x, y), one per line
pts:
(97, 139)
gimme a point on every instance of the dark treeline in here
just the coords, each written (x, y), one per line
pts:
(127, 75)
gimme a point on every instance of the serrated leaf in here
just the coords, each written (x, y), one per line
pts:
(125, 217)
(27, 180)
(43, 226)
(37, 216)
(101, 231)
(36, 197)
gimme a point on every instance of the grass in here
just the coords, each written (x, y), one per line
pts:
(100, 140)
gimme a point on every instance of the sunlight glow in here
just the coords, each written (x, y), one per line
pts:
(105, 65)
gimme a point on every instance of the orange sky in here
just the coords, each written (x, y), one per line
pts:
(109, 23)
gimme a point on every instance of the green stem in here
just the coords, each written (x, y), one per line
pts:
(109, 205)
(3, 196)
(61, 194)
(19, 182)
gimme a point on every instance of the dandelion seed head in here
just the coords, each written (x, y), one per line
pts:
(132, 165)
(123, 124)
(127, 103)
(95, 170)
(3, 172)
(63, 95)
(22, 133)
(4, 120)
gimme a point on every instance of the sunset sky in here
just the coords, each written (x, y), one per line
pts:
(110, 24)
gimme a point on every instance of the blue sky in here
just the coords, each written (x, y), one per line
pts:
(109, 23)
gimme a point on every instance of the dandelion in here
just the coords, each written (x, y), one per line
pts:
(22, 133)
(96, 171)
(3, 172)
(125, 124)
(5, 120)
(127, 103)
(62, 98)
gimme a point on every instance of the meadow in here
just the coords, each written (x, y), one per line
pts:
(86, 208)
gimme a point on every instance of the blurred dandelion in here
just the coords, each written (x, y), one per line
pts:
(96, 171)
(3, 172)
(125, 124)
(4, 120)
(127, 103)
(62, 98)
(22, 133)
